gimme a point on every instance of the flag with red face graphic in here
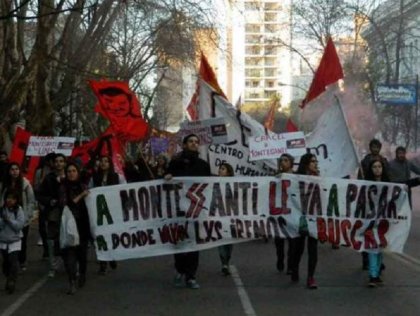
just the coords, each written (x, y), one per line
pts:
(118, 104)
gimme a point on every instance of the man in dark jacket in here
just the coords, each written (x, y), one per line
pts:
(375, 148)
(48, 196)
(187, 163)
(400, 170)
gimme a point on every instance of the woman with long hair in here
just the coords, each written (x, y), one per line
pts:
(376, 172)
(308, 165)
(72, 193)
(104, 176)
(159, 170)
(11, 223)
(285, 165)
(15, 181)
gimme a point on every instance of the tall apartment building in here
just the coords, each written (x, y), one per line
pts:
(251, 57)
(266, 34)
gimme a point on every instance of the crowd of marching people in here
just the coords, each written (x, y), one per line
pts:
(61, 184)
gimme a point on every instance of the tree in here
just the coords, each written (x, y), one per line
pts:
(392, 45)
(50, 48)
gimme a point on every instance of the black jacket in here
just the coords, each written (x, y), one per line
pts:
(48, 190)
(188, 164)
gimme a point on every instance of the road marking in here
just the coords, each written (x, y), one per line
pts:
(21, 300)
(243, 295)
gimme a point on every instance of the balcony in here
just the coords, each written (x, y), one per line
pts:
(253, 39)
(253, 73)
(252, 28)
(270, 17)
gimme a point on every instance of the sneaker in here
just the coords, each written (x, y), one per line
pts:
(113, 265)
(372, 283)
(23, 267)
(295, 277)
(51, 273)
(335, 246)
(379, 281)
(179, 280)
(311, 284)
(72, 288)
(225, 270)
(56, 263)
(40, 243)
(192, 284)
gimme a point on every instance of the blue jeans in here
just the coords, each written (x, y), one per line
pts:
(375, 261)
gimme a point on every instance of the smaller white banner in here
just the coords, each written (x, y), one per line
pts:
(210, 131)
(272, 146)
(41, 146)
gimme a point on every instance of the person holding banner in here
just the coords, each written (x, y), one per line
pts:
(159, 170)
(225, 251)
(104, 176)
(26, 199)
(72, 193)
(308, 165)
(285, 165)
(376, 172)
(375, 148)
(48, 196)
(187, 164)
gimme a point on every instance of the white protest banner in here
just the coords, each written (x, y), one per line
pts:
(331, 142)
(210, 131)
(240, 127)
(272, 146)
(43, 145)
(159, 217)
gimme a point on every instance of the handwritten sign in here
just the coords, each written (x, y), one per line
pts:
(272, 145)
(41, 146)
(210, 131)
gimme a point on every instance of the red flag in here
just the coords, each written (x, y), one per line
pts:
(18, 153)
(290, 126)
(269, 119)
(30, 170)
(207, 74)
(121, 107)
(329, 71)
(20, 143)
(105, 145)
(192, 106)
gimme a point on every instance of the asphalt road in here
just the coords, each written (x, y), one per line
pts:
(144, 287)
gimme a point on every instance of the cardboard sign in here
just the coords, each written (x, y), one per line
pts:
(210, 131)
(272, 145)
(41, 146)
